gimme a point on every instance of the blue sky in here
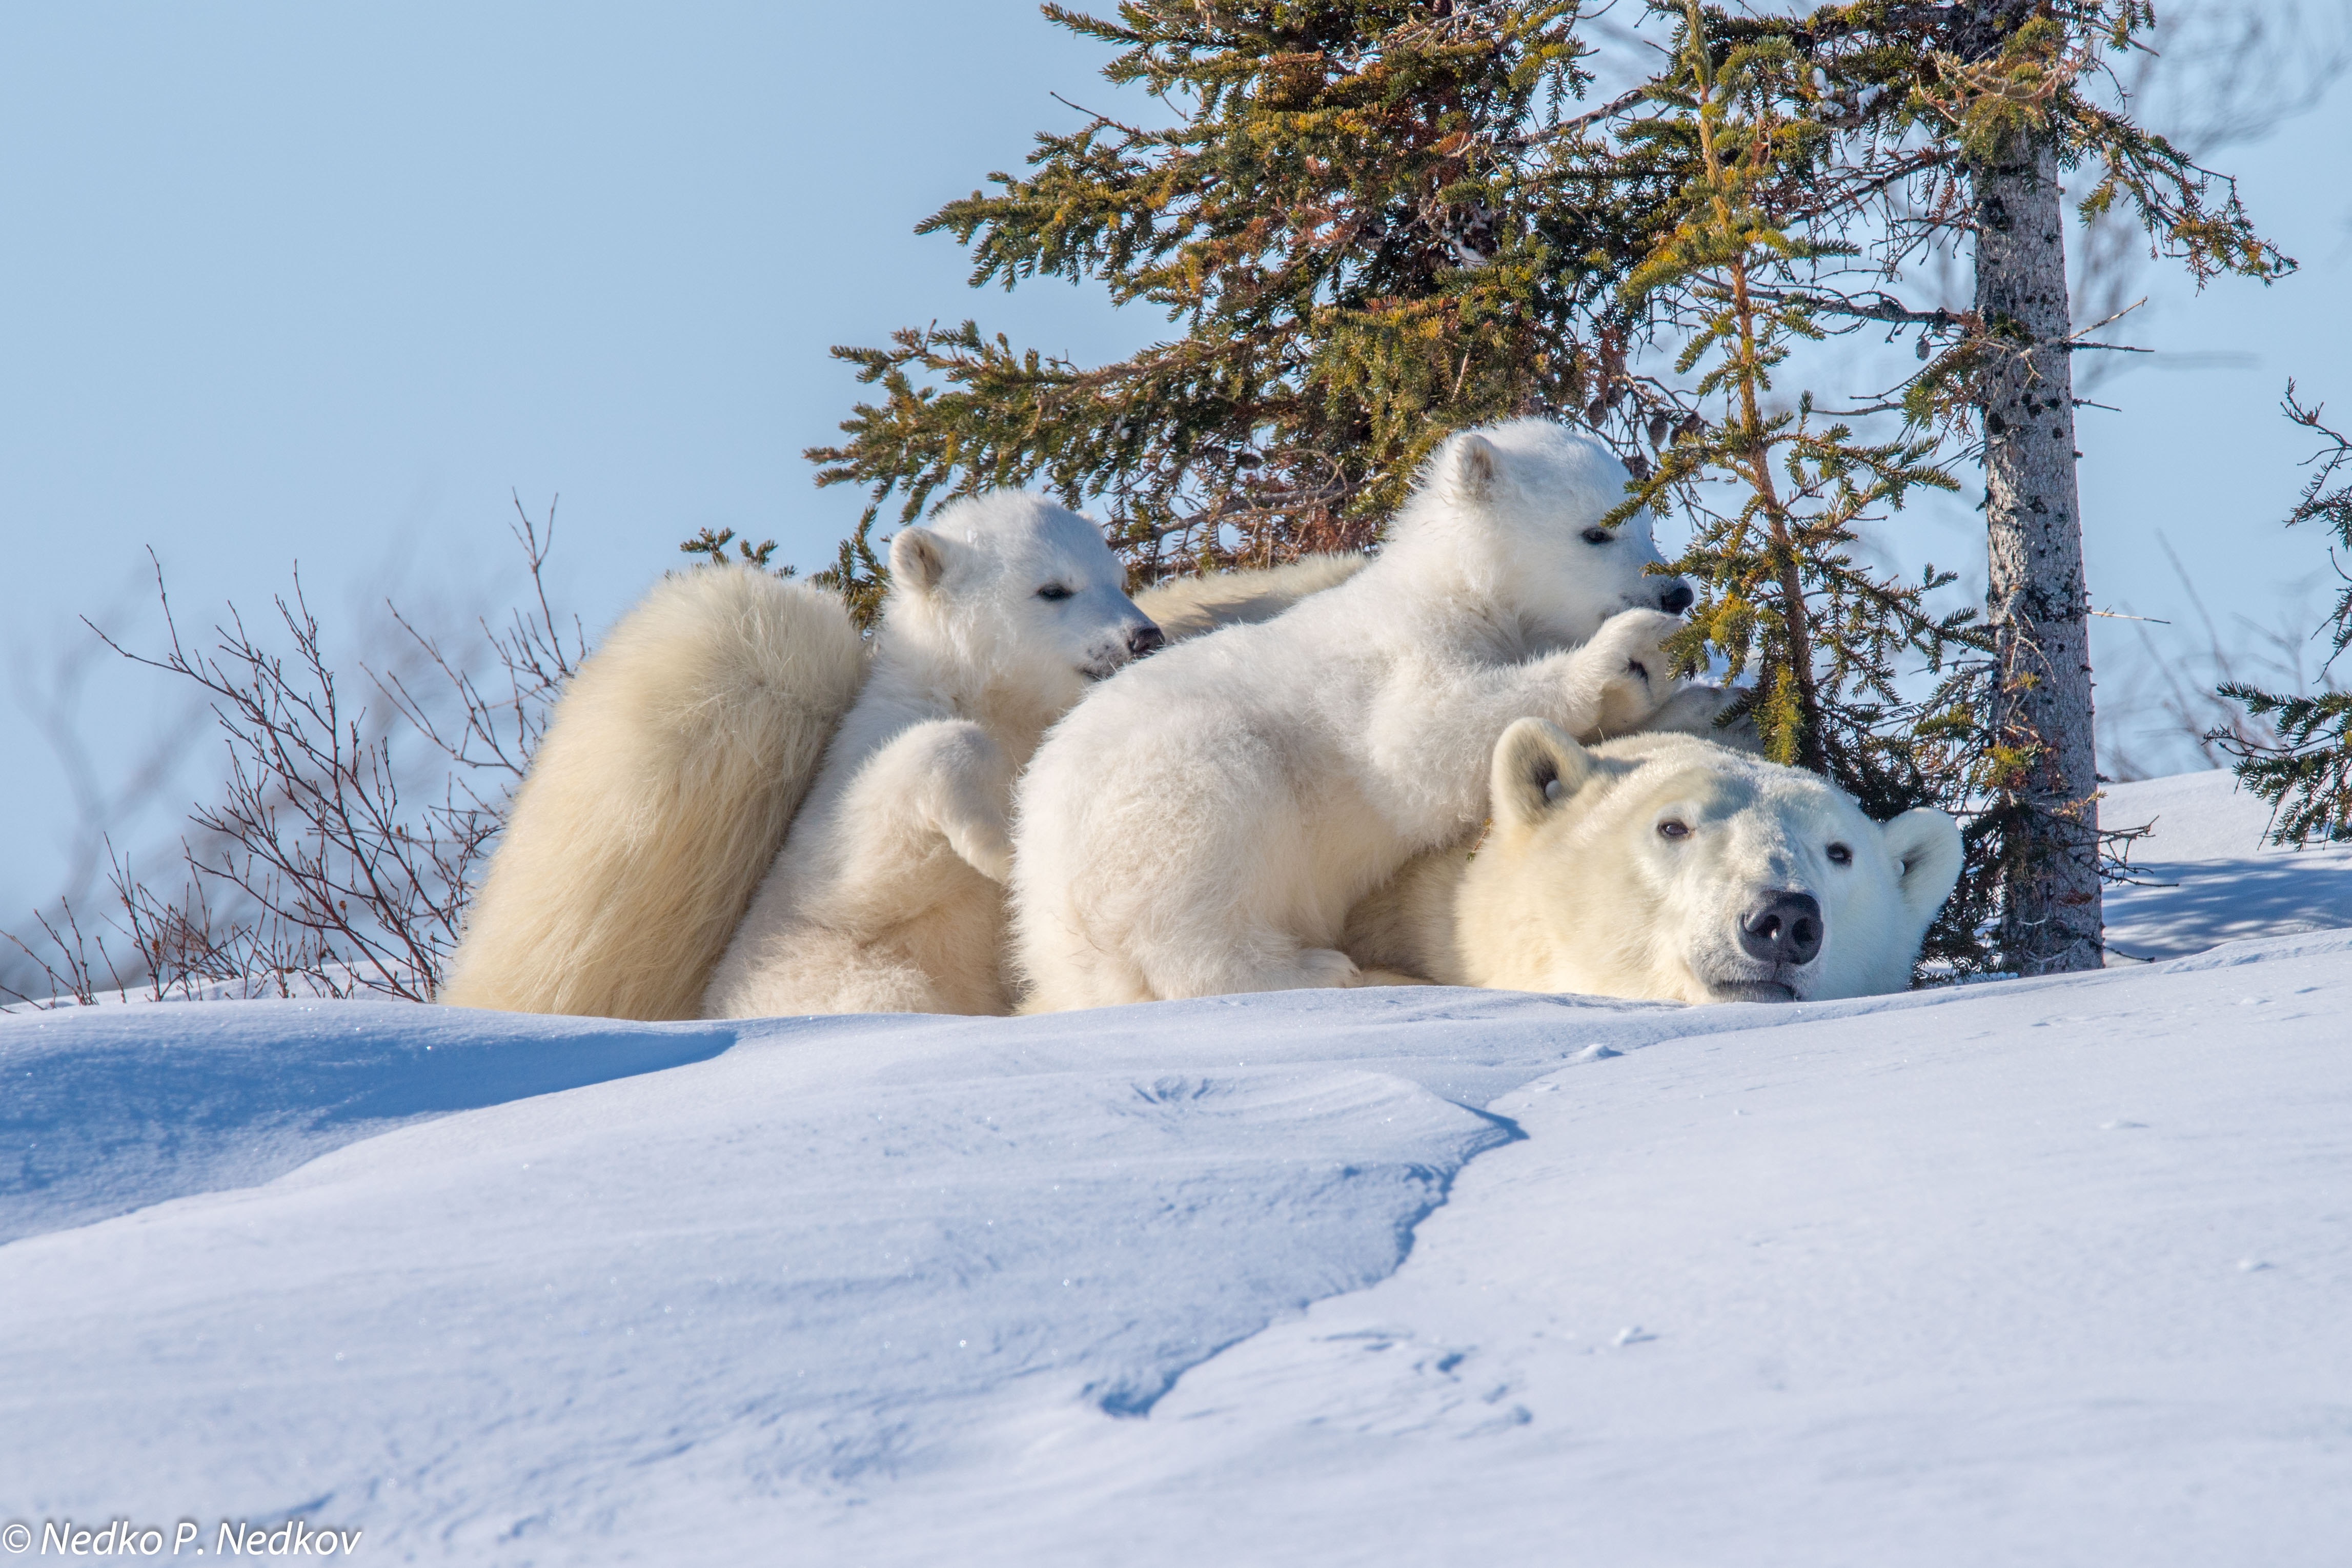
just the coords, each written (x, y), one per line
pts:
(328, 283)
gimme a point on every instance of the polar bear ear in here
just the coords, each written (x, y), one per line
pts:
(1471, 463)
(1926, 844)
(1537, 768)
(919, 559)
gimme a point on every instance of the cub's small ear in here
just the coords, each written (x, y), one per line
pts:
(1925, 844)
(1537, 766)
(1471, 463)
(919, 559)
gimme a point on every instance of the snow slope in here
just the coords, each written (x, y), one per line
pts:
(2051, 1271)
(2206, 875)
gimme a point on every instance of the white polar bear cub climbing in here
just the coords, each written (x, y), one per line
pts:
(886, 896)
(1667, 867)
(1204, 823)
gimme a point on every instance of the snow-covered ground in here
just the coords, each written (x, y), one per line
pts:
(2207, 874)
(2024, 1272)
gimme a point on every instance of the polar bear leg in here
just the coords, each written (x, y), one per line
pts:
(1212, 853)
(856, 898)
(1270, 964)
(957, 782)
(1623, 676)
(1389, 977)
(823, 971)
(947, 779)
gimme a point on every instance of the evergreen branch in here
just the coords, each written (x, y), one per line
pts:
(1102, 119)
(2305, 775)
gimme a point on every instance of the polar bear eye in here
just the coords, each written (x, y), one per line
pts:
(1840, 855)
(1598, 535)
(1673, 828)
(1052, 593)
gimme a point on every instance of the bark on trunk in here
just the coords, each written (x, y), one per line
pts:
(2052, 921)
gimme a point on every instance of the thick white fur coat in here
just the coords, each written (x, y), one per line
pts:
(657, 798)
(888, 894)
(1204, 823)
(1185, 607)
(1653, 867)
(660, 801)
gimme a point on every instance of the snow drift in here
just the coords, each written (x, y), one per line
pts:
(2027, 1272)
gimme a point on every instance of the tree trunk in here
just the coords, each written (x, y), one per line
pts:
(2050, 916)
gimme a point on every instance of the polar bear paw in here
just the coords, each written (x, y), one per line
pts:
(1388, 977)
(1320, 968)
(1630, 671)
(981, 844)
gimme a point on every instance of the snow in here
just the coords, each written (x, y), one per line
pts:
(2207, 876)
(2034, 1272)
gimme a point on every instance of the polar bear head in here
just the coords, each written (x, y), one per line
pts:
(1019, 590)
(1517, 507)
(1664, 865)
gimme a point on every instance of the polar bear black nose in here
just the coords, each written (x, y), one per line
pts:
(1144, 638)
(1676, 599)
(1785, 928)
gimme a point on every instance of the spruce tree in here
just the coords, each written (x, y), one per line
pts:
(1904, 128)
(1777, 496)
(2051, 918)
(2307, 776)
(1371, 222)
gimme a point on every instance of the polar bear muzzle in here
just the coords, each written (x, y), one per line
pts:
(1783, 929)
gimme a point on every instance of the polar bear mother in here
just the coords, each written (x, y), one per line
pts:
(1203, 823)
(1666, 866)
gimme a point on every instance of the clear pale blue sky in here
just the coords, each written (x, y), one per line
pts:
(290, 281)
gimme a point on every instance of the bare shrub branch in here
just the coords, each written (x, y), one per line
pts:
(319, 869)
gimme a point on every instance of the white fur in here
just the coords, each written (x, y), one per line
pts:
(1204, 823)
(660, 793)
(886, 896)
(1695, 710)
(1575, 888)
(1187, 606)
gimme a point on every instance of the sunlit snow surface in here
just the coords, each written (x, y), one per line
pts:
(2051, 1271)
(2205, 874)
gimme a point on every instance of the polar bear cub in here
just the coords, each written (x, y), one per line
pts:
(1204, 823)
(1664, 866)
(886, 896)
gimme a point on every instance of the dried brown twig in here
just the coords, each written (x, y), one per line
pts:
(318, 870)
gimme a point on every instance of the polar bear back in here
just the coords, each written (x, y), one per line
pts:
(1166, 791)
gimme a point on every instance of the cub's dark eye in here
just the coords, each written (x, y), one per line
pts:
(1671, 829)
(1840, 855)
(1598, 535)
(1052, 593)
